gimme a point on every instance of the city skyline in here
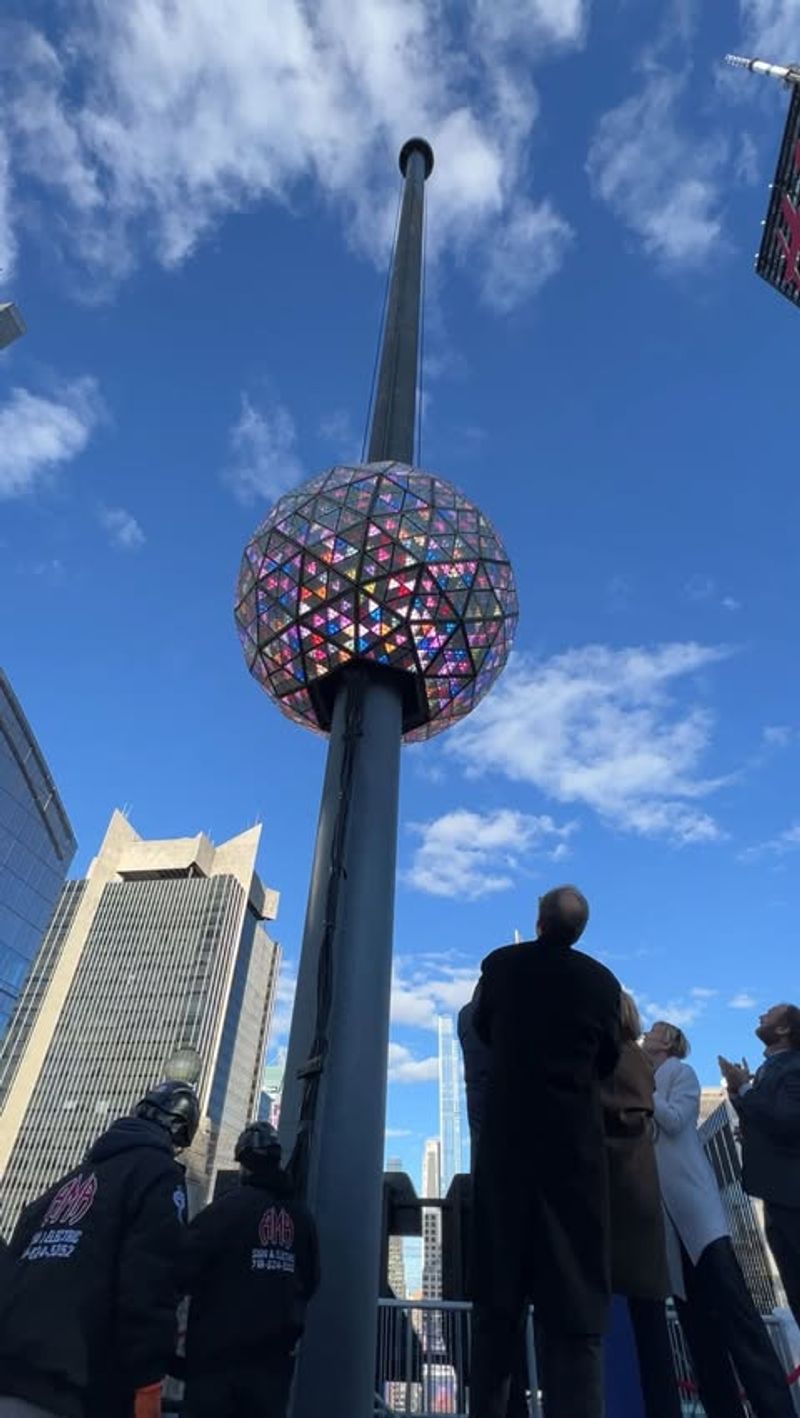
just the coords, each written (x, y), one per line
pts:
(605, 377)
(160, 947)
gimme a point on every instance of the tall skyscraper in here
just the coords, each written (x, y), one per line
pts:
(450, 1104)
(160, 947)
(36, 848)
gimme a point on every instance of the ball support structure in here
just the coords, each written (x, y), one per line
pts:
(375, 603)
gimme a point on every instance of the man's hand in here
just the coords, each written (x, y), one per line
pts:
(147, 1402)
(735, 1075)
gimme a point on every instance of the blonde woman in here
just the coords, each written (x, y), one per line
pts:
(719, 1319)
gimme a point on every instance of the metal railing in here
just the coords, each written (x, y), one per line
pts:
(422, 1364)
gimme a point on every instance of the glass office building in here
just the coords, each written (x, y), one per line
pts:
(36, 848)
(161, 947)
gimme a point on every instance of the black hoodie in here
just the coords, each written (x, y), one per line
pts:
(87, 1312)
(251, 1267)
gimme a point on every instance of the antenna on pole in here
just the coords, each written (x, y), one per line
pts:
(787, 73)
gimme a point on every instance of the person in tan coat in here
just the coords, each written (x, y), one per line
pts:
(639, 1270)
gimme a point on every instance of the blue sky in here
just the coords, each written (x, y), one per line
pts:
(196, 207)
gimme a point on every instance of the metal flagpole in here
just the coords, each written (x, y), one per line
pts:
(334, 1098)
(788, 73)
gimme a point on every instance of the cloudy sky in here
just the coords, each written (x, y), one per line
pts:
(197, 200)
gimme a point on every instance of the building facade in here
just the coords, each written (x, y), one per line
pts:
(396, 1257)
(450, 1103)
(745, 1216)
(161, 947)
(37, 845)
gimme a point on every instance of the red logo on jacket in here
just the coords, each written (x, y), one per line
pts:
(276, 1228)
(72, 1201)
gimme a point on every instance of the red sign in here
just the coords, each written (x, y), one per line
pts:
(779, 258)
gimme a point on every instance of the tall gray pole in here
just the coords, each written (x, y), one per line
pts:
(334, 1099)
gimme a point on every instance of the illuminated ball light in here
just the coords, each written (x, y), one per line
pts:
(380, 563)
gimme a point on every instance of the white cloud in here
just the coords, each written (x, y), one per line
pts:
(155, 120)
(744, 1000)
(468, 854)
(659, 178)
(424, 988)
(771, 29)
(122, 527)
(530, 23)
(405, 1068)
(785, 842)
(264, 461)
(677, 1010)
(601, 727)
(398, 1132)
(39, 433)
(700, 992)
(526, 252)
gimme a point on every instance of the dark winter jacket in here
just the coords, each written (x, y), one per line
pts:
(88, 1311)
(638, 1245)
(769, 1118)
(251, 1267)
(477, 1064)
(550, 1016)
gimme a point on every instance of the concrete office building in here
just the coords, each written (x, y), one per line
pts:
(161, 946)
(36, 847)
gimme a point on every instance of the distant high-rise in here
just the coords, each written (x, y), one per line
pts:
(450, 1090)
(396, 1257)
(272, 1083)
(432, 1332)
(160, 947)
(432, 1221)
(36, 848)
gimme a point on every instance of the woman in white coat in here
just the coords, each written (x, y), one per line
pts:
(719, 1319)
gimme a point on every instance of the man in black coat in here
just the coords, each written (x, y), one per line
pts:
(88, 1310)
(251, 1267)
(768, 1106)
(551, 1017)
(477, 1058)
(477, 1062)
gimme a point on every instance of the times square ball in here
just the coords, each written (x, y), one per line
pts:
(382, 563)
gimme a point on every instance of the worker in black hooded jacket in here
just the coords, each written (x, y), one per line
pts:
(88, 1305)
(252, 1266)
